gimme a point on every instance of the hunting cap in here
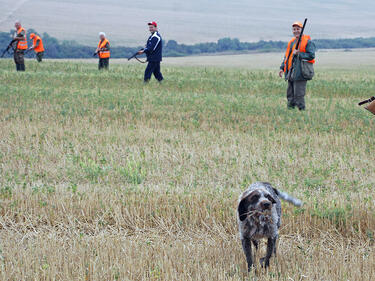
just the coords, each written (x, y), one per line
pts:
(32, 35)
(101, 33)
(153, 23)
(298, 23)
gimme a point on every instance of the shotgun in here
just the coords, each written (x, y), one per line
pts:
(297, 47)
(135, 56)
(96, 53)
(367, 101)
(7, 48)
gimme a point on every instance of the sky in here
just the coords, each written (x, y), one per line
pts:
(189, 21)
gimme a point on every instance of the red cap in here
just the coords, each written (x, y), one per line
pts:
(153, 23)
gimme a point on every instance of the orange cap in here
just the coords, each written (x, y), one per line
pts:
(298, 23)
(32, 35)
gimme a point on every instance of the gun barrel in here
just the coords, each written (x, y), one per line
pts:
(8, 47)
(300, 36)
(367, 101)
(133, 56)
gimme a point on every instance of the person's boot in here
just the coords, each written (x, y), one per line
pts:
(17, 67)
(291, 105)
(23, 68)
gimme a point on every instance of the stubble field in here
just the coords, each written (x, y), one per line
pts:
(104, 178)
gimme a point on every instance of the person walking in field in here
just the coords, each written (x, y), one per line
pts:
(37, 46)
(20, 46)
(301, 67)
(103, 50)
(153, 51)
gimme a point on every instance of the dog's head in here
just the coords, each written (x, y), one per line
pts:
(256, 201)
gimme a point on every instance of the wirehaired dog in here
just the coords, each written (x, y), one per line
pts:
(259, 216)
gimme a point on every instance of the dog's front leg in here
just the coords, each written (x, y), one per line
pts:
(246, 246)
(270, 248)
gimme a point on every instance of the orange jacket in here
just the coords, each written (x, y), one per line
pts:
(104, 54)
(22, 44)
(40, 47)
(289, 53)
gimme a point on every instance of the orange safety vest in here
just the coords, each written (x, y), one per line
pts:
(289, 52)
(40, 47)
(104, 54)
(22, 44)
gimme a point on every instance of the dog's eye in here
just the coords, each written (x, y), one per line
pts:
(254, 198)
(269, 197)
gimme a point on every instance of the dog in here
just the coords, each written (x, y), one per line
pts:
(259, 216)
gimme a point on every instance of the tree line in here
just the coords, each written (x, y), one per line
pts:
(72, 49)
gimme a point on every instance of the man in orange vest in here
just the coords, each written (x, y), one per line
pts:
(37, 46)
(103, 51)
(298, 78)
(20, 46)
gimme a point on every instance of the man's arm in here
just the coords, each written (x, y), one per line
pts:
(20, 36)
(310, 52)
(282, 66)
(106, 47)
(152, 45)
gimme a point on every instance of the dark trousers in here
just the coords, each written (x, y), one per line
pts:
(153, 67)
(296, 94)
(39, 56)
(19, 60)
(103, 63)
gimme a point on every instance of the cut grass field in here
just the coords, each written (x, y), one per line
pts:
(104, 178)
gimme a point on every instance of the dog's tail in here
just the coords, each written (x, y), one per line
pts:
(285, 196)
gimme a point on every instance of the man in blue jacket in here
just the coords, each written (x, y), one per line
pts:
(153, 52)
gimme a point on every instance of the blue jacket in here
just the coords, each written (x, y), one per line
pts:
(154, 47)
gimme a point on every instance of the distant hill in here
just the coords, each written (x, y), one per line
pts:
(189, 21)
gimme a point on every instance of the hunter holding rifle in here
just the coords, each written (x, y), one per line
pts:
(153, 51)
(297, 66)
(37, 46)
(20, 46)
(103, 50)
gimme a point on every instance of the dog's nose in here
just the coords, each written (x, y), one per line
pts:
(266, 205)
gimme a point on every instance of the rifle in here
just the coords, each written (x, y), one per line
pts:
(367, 101)
(297, 47)
(134, 56)
(7, 48)
(371, 106)
(28, 50)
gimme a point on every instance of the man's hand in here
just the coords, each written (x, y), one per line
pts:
(295, 52)
(281, 72)
(140, 52)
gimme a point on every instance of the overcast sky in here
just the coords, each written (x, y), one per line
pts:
(191, 21)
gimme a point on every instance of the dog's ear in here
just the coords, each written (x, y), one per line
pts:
(243, 207)
(269, 197)
(276, 191)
